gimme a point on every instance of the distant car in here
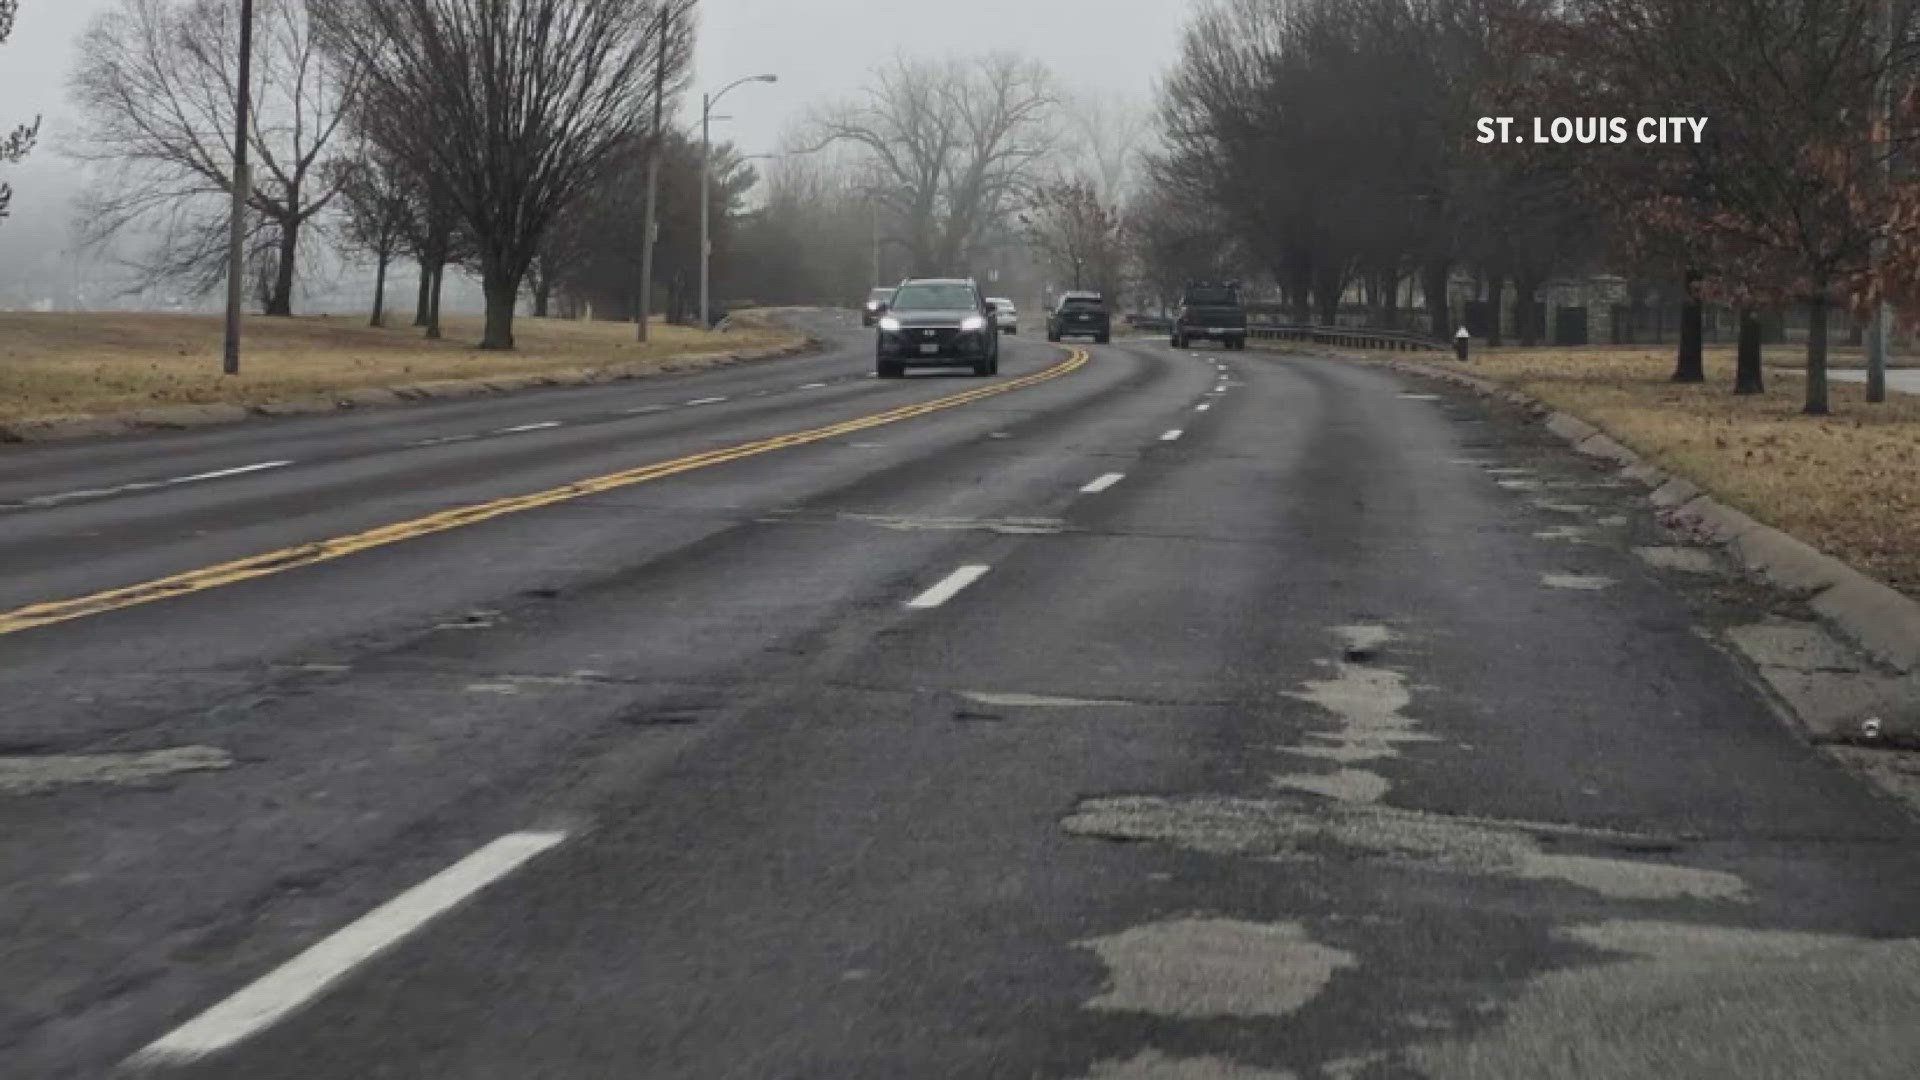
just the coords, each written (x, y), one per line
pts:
(1005, 315)
(1210, 310)
(936, 322)
(1080, 314)
(876, 306)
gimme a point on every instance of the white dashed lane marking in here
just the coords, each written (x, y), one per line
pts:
(40, 501)
(1172, 435)
(1203, 406)
(293, 984)
(1103, 483)
(949, 587)
(706, 401)
(518, 428)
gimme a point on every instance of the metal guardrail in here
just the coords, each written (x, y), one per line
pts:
(1349, 338)
(1341, 336)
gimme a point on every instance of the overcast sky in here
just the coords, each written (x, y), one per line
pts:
(821, 49)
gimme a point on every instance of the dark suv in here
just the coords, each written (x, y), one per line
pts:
(936, 322)
(1080, 314)
(1211, 310)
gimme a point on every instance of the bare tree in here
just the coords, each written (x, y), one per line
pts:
(156, 87)
(377, 205)
(1103, 141)
(13, 144)
(952, 144)
(1077, 234)
(514, 107)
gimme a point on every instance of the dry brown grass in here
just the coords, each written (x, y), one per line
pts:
(103, 363)
(1847, 483)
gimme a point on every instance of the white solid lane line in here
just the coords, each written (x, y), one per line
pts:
(948, 587)
(1103, 483)
(706, 401)
(518, 428)
(1172, 435)
(305, 977)
(40, 501)
(229, 472)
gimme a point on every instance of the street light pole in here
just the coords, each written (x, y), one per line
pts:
(236, 227)
(655, 145)
(707, 102)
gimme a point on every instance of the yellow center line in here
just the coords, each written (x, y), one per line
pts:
(275, 562)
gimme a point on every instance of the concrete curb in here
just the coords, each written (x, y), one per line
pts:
(1879, 619)
(193, 416)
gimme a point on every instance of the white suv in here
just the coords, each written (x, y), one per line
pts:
(1005, 318)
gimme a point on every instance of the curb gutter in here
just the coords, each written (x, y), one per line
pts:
(178, 417)
(1880, 620)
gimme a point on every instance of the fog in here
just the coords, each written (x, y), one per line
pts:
(821, 50)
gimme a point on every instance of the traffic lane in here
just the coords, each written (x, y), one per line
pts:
(872, 880)
(40, 471)
(80, 547)
(199, 649)
(393, 746)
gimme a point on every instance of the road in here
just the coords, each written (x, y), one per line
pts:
(1138, 713)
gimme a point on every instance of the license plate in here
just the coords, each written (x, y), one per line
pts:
(930, 349)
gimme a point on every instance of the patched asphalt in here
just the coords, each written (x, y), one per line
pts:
(1365, 731)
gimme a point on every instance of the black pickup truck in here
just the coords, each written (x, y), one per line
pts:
(1211, 310)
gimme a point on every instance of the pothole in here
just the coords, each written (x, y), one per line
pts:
(30, 775)
(1685, 559)
(1207, 967)
(1154, 1065)
(1578, 582)
(1692, 1000)
(1299, 829)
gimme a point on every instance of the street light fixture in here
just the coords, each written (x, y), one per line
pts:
(707, 102)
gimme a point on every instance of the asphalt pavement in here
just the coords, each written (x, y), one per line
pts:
(1137, 713)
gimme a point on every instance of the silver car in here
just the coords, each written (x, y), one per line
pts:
(1005, 318)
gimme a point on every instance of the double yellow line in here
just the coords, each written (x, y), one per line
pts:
(276, 562)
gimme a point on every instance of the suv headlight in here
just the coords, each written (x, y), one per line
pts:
(889, 323)
(974, 322)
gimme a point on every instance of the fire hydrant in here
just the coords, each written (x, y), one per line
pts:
(1460, 343)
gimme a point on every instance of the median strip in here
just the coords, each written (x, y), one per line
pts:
(274, 562)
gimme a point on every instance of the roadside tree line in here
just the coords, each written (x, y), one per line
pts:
(449, 132)
(1331, 146)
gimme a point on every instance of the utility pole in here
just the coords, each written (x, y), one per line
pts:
(655, 145)
(236, 228)
(1879, 331)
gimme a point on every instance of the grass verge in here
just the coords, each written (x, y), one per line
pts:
(1845, 483)
(67, 365)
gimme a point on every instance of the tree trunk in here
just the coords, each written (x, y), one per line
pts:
(1749, 377)
(422, 314)
(542, 297)
(280, 299)
(1496, 294)
(1817, 355)
(1688, 366)
(503, 294)
(1524, 324)
(433, 301)
(1434, 283)
(379, 292)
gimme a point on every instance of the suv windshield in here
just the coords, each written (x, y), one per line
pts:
(1213, 294)
(933, 297)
